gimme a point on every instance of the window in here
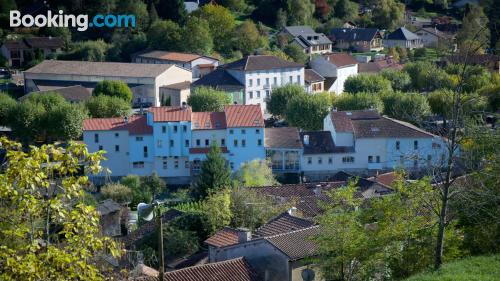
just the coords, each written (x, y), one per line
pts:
(138, 165)
(184, 128)
(258, 94)
(398, 145)
(235, 143)
(164, 129)
(370, 159)
(415, 163)
(243, 143)
(309, 160)
(436, 145)
(231, 131)
(117, 148)
(176, 164)
(290, 79)
(186, 164)
(207, 143)
(186, 143)
(231, 165)
(145, 152)
(96, 138)
(198, 142)
(196, 165)
(250, 95)
(165, 165)
(117, 135)
(259, 142)
(275, 81)
(268, 94)
(100, 147)
(159, 143)
(267, 81)
(378, 159)
(139, 138)
(171, 143)
(243, 131)
(298, 79)
(429, 159)
(415, 145)
(347, 159)
(258, 81)
(250, 82)
(320, 160)
(222, 142)
(175, 129)
(330, 160)
(257, 131)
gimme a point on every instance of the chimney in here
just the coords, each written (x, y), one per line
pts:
(292, 211)
(306, 139)
(317, 190)
(125, 119)
(184, 105)
(244, 235)
(334, 109)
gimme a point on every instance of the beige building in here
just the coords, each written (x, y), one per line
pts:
(144, 80)
(178, 93)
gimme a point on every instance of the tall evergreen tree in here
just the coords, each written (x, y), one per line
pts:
(173, 10)
(215, 174)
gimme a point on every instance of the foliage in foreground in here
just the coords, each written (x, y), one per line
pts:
(47, 232)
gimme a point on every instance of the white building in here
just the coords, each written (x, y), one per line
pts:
(172, 141)
(144, 80)
(256, 75)
(403, 38)
(199, 65)
(307, 39)
(432, 37)
(336, 68)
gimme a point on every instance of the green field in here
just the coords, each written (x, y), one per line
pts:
(484, 268)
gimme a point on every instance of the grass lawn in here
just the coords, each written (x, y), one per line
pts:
(483, 268)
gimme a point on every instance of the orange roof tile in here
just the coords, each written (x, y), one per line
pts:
(208, 120)
(341, 59)
(184, 57)
(224, 237)
(136, 125)
(171, 114)
(244, 116)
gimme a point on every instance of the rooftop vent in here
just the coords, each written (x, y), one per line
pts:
(348, 113)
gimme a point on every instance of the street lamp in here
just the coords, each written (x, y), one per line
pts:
(147, 212)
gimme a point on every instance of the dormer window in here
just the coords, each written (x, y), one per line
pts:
(196, 125)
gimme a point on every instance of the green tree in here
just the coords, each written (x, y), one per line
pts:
(139, 195)
(165, 35)
(106, 107)
(153, 184)
(214, 175)
(137, 8)
(359, 101)
(491, 93)
(87, 51)
(474, 34)
(300, 12)
(441, 103)
(221, 23)
(256, 173)
(196, 37)
(277, 103)
(217, 208)
(25, 120)
(117, 192)
(400, 80)
(426, 76)
(44, 223)
(6, 104)
(387, 14)
(247, 38)
(173, 10)
(346, 9)
(409, 107)
(296, 53)
(308, 111)
(208, 99)
(367, 83)
(113, 88)
(66, 121)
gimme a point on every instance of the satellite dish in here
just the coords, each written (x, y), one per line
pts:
(307, 274)
(145, 211)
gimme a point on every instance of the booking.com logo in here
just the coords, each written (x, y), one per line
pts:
(81, 22)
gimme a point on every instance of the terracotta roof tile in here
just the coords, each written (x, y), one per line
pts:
(136, 125)
(281, 224)
(341, 59)
(284, 137)
(224, 237)
(244, 116)
(208, 121)
(171, 56)
(171, 114)
(386, 179)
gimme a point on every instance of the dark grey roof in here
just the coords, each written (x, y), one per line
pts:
(261, 62)
(75, 93)
(321, 142)
(284, 137)
(299, 30)
(311, 76)
(107, 207)
(218, 79)
(90, 68)
(362, 183)
(353, 34)
(402, 34)
(296, 244)
(35, 43)
(283, 223)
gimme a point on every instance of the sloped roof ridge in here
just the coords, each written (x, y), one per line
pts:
(408, 125)
(213, 264)
(290, 232)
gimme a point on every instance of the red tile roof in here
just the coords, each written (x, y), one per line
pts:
(386, 179)
(136, 125)
(204, 150)
(208, 120)
(171, 114)
(225, 237)
(244, 116)
(341, 59)
(283, 223)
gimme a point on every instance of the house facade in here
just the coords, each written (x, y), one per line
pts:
(144, 80)
(172, 141)
(403, 38)
(432, 37)
(197, 64)
(17, 52)
(335, 68)
(315, 83)
(306, 38)
(358, 39)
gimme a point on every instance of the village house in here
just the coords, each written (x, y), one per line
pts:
(306, 38)
(432, 37)
(197, 64)
(403, 38)
(17, 52)
(335, 68)
(283, 149)
(315, 83)
(144, 80)
(357, 39)
(257, 75)
(377, 65)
